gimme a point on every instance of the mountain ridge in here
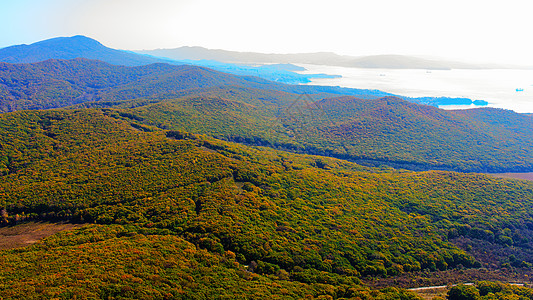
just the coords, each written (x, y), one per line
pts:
(385, 61)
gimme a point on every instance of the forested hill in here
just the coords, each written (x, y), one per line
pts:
(58, 83)
(306, 119)
(214, 211)
(385, 131)
(70, 48)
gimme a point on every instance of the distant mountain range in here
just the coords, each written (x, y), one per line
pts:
(278, 66)
(84, 47)
(320, 58)
(67, 48)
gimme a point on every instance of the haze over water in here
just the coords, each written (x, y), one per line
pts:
(497, 86)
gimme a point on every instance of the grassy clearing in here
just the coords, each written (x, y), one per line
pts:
(29, 233)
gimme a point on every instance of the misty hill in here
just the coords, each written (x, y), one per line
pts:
(59, 83)
(398, 62)
(200, 53)
(413, 62)
(70, 48)
(319, 58)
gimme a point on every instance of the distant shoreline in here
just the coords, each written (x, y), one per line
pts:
(486, 85)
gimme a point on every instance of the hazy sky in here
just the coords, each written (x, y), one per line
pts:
(491, 31)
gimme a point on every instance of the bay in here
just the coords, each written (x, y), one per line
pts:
(501, 88)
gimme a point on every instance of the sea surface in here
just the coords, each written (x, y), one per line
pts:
(501, 88)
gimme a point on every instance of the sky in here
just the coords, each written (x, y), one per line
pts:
(467, 30)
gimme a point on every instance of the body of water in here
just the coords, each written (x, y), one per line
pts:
(508, 89)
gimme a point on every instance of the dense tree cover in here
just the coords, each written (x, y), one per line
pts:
(314, 219)
(463, 292)
(386, 131)
(486, 290)
(117, 262)
(251, 110)
(59, 83)
(186, 215)
(392, 129)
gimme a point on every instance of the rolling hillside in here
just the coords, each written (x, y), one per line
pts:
(304, 119)
(306, 218)
(385, 131)
(189, 183)
(60, 83)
